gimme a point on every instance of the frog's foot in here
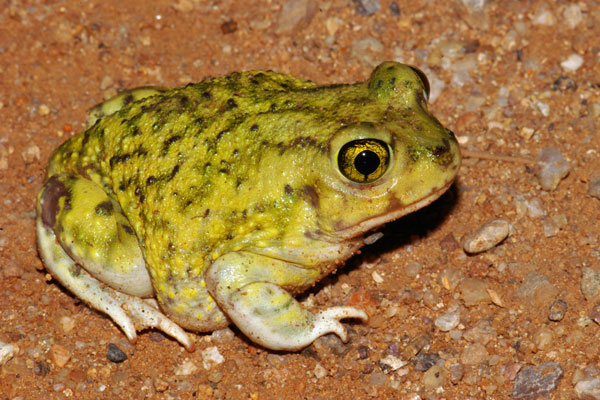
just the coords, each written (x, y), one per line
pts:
(249, 288)
(129, 312)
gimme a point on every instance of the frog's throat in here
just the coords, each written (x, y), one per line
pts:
(371, 223)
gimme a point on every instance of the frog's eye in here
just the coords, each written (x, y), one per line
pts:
(424, 79)
(364, 160)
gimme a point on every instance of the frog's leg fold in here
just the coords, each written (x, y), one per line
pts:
(87, 239)
(250, 289)
(121, 100)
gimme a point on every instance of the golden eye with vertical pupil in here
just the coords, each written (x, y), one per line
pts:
(364, 160)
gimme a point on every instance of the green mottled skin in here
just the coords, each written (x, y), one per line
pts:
(247, 162)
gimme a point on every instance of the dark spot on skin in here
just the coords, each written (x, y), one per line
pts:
(54, 189)
(393, 81)
(229, 236)
(167, 143)
(273, 107)
(207, 95)
(114, 160)
(122, 187)
(128, 229)
(128, 99)
(104, 209)
(184, 101)
(75, 270)
(379, 84)
(220, 134)
(260, 208)
(231, 103)
(254, 128)
(225, 167)
(206, 213)
(174, 172)
(151, 180)
(244, 214)
(390, 68)
(86, 137)
(235, 152)
(288, 189)
(310, 194)
(138, 193)
(136, 131)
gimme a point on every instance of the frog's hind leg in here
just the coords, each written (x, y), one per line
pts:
(250, 288)
(78, 224)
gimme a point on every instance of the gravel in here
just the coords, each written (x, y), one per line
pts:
(590, 284)
(486, 236)
(557, 311)
(115, 354)
(537, 381)
(448, 321)
(551, 168)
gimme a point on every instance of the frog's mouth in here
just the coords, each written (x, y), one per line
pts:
(392, 214)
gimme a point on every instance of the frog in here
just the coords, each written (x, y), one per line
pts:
(218, 202)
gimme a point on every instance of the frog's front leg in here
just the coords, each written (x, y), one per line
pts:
(250, 288)
(79, 225)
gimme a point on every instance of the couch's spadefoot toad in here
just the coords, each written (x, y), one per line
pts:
(222, 199)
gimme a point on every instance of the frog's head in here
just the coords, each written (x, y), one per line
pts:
(392, 159)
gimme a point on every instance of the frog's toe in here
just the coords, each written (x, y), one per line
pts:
(328, 321)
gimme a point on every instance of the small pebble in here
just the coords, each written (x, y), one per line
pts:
(295, 15)
(365, 51)
(573, 15)
(187, 367)
(551, 168)
(391, 363)
(536, 291)
(510, 370)
(424, 361)
(483, 332)
(537, 381)
(434, 378)
(7, 351)
(59, 355)
(557, 311)
(474, 353)
(473, 291)
(363, 352)
(67, 324)
(572, 63)
(115, 354)
(222, 335)
(587, 385)
(367, 7)
(595, 313)
(456, 370)
(211, 356)
(319, 371)
(450, 278)
(487, 236)
(590, 284)
(448, 321)
(542, 338)
(594, 188)
(215, 377)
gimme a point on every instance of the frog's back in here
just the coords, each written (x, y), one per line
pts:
(176, 162)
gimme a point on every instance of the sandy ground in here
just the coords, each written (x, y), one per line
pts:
(508, 77)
